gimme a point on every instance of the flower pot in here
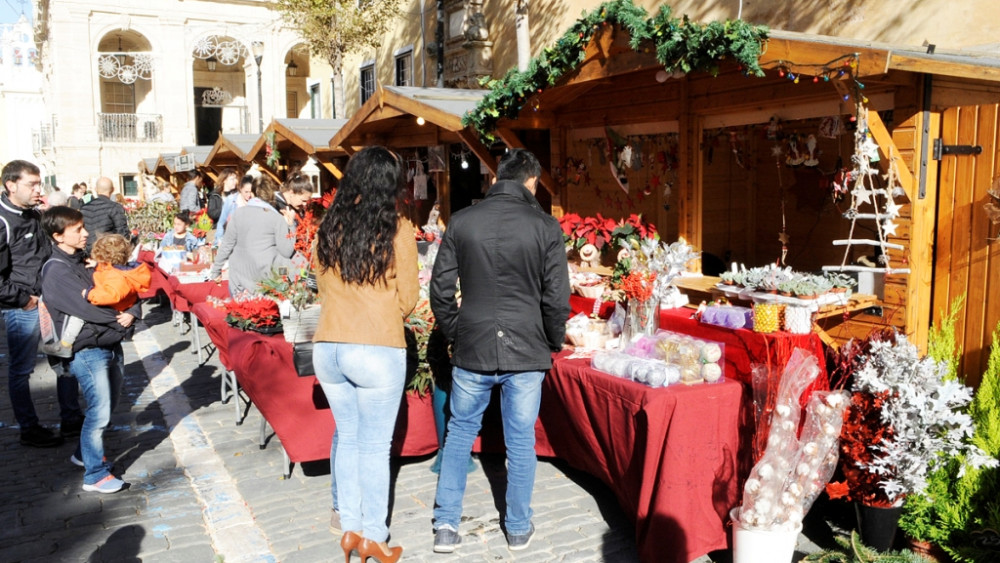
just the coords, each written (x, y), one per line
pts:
(877, 525)
(758, 546)
(928, 550)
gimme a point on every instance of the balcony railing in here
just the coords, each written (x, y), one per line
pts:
(41, 139)
(130, 127)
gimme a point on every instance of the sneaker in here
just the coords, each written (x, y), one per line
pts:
(39, 437)
(517, 542)
(446, 539)
(70, 429)
(109, 484)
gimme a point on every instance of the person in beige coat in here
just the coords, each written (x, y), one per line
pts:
(366, 262)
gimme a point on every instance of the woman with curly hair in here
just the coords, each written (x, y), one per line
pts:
(366, 259)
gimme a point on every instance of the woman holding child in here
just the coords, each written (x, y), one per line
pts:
(97, 362)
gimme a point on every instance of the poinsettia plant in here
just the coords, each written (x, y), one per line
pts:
(578, 231)
(631, 231)
(252, 314)
(294, 288)
(308, 225)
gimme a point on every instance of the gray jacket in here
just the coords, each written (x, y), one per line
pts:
(257, 239)
(190, 198)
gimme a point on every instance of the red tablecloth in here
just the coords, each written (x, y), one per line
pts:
(296, 407)
(217, 329)
(671, 455)
(184, 295)
(158, 281)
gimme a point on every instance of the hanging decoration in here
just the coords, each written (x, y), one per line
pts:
(113, 65)
(225, 51)
(216, 97)
(681, 45)
(620, 155)
(271, 150)
(871, 202)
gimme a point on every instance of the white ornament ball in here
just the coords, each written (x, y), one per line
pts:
(765, 471)
(711, 372)
(810, 449)
(751, 486)
(711, 352)
(783, 410)
(802, 469)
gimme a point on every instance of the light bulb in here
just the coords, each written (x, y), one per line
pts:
(421, 121)
(465, 164)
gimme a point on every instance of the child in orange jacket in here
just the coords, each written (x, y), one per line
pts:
(117, 282)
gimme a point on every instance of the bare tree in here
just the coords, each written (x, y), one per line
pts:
(335, 28)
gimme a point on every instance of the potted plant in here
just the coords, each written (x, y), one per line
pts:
(259, 314)
(293, 294)
(840, 282)
(904, 420)
(960, 502)
(852, 550)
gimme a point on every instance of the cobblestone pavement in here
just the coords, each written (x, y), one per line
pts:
(203, 491)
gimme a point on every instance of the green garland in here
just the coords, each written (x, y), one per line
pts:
(680, 45)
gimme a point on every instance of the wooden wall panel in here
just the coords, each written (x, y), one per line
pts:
(967, 264)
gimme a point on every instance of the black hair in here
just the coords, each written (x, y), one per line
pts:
(56, 219)
(518, 165)
(14, 169)
(356, 235)
(184, 216)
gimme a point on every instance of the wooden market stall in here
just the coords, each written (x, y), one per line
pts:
(231, 150)
(289, 144)
(416, 122)
(166, 169)
(756, 170)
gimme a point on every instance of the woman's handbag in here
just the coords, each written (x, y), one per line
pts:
(302, 357)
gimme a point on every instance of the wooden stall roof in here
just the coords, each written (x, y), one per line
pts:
(389, 117)
(880, 58)
(231, 150)
(148, 165)
(167, 162)
(200, 153)
(301, 137)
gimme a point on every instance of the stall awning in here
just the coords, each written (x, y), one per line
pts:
(231, 150)
(389, 118)
(298, 139)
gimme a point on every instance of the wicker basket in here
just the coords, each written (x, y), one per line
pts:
(591, 291)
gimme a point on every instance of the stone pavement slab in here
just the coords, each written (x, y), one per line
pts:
(201, 489)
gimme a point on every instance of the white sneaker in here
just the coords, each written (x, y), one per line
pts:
(109, 484)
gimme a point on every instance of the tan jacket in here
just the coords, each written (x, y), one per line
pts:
(371, 314)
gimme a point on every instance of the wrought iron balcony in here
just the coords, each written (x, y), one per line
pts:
(130, 127)
(41, 139)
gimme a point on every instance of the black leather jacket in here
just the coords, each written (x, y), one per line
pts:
(511, 260)
(101, 215)
(24, 247)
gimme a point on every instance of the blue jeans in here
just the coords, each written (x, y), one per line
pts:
(520, 397)
(364, 386)
(22, 349)
(100, 372)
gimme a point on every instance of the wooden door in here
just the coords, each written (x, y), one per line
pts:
(966, 262)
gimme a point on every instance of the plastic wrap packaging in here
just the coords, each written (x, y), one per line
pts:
(585, 332)
(793, 470)
(728, 316)
(798, 320)
(766, 317)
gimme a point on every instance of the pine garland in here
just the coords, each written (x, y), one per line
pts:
(680, 44)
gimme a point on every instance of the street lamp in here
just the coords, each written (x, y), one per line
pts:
(211, 62)
(293, 69)
(258, 55)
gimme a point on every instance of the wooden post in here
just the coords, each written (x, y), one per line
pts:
(919, 282)
(690, 172)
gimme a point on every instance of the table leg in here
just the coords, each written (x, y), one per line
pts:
(197, 339)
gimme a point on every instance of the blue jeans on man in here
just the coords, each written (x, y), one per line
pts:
(22, 349)
(100, 372)
(520, 397)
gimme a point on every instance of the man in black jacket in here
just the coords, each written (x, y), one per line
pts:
(24, 247)
(511, 259)
(104, 215)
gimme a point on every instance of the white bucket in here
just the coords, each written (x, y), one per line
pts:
(762, 546)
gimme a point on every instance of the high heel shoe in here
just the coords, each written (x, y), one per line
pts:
(349, 542)
(380, 551)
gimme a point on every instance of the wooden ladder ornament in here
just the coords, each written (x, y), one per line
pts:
(865, 192)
